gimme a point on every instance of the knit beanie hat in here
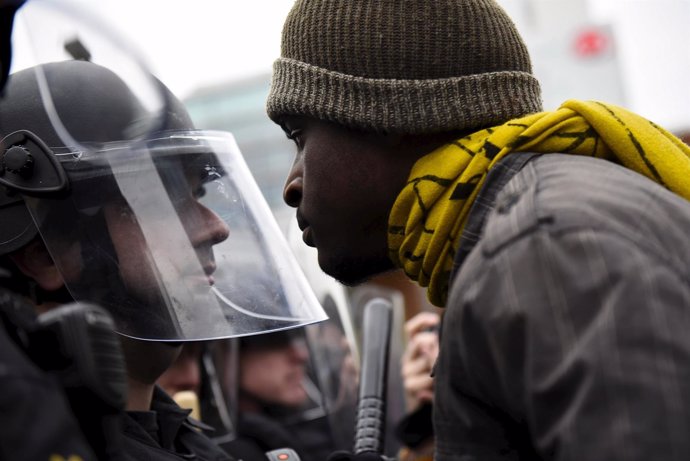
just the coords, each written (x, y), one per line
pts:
(405, 66)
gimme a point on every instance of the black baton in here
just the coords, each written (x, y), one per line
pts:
(371, 409)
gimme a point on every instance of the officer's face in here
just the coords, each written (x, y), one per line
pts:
(275, 374)
(203, 229)
(185, 373)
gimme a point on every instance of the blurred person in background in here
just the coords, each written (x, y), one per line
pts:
(185, 373)
(272, 375)
(275, 394)
(555, 241)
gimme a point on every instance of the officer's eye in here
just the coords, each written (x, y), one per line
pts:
(200, 192)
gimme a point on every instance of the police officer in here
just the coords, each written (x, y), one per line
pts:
(105, 205)
(109, 195)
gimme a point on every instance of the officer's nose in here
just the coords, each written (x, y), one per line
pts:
(213, 228)
(299, 351)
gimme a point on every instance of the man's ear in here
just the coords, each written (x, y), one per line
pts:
(35, 262)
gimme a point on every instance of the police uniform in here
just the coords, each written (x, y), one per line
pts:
(39, 423)
(167, 433)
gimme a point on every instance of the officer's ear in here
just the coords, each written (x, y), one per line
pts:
(34, 261)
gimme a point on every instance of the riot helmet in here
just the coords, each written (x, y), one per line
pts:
(159, 223)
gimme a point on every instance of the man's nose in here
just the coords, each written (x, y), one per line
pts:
(292, 191)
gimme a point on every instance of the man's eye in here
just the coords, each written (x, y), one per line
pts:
(296, 136)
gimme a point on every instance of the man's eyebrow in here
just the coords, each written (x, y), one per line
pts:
(283, 124)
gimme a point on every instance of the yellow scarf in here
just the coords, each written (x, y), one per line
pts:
(428, 216)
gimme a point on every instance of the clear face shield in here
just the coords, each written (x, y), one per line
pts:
(160, 224)
(173, 236)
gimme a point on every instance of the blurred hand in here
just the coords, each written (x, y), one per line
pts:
(419, 358)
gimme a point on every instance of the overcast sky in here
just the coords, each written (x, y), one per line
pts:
(190, 44)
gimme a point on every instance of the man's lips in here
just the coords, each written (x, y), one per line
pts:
(301, 222)
(306, 230)
(307, 238)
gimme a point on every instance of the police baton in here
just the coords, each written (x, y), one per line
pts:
(371, 408)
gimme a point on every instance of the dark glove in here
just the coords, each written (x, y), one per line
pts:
(347, 456)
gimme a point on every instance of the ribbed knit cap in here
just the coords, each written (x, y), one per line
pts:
(413, 66)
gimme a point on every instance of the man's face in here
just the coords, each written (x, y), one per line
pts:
(343, 183)
(275, 373)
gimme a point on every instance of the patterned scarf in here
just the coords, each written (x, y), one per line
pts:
(428, 217)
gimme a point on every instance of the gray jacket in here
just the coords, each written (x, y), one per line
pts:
(567, 330)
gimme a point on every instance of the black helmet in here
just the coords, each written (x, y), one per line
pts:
(90, 105)
(135, 208)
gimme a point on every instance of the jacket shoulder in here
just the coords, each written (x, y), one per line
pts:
(560, 193)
